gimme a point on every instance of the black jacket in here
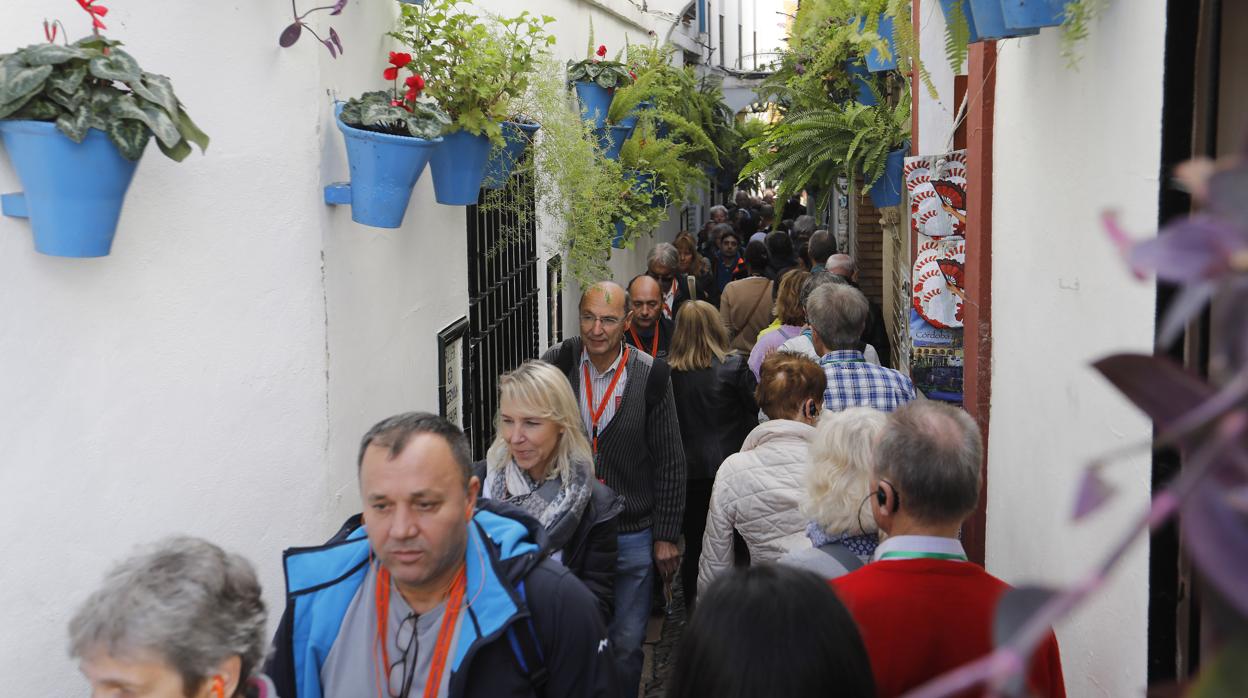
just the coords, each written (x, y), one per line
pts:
(591, 552)
(716, 409)
(520, 598)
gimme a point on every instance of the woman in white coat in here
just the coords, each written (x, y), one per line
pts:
(758, 491)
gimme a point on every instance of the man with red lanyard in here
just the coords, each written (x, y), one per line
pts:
(648, 329)
(630, 416)
(921, 607)
(432, 592)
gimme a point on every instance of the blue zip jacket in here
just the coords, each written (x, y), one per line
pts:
(526, 605)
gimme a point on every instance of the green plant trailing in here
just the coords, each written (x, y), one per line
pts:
(93, 83)
(475, 65)
(810, 149)
(1075, 27)
(376, 111)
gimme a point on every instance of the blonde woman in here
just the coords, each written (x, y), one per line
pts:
(715, 407)
(541, 462)
(842, 531)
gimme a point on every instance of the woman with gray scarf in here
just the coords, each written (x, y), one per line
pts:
(541, 462)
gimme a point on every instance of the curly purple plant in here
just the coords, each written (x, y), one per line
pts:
(292, 33)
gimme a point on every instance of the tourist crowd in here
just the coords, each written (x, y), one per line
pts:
(728, 419)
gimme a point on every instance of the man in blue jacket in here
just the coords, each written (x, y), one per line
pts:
(431, 592)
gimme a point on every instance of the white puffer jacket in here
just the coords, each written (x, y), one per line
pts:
(757, 492)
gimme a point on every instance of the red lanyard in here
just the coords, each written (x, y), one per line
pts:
(596, 415)
(441, 650)
(654, 344)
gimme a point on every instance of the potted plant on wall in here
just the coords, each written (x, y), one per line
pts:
(595, 80)
(75, 119)
(389, 138)
(475, 65)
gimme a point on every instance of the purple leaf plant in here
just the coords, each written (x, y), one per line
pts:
(1206, 255)
(295, 30)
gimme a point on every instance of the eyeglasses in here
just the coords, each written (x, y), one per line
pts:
(663, 279)
(608, 323)
(406, 663)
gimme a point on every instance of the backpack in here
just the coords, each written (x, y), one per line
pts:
(528, 651)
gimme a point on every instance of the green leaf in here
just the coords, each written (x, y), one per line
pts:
(127, 107)
(68, 80)
(19, 80)
(130, 136)
(76, 124)
(38, 109)
(8, 108)
(191, 132)
(69, 100)
(157, 89)
(117, 65)
(178, 152)
(51, 54)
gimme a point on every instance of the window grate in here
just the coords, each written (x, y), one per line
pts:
(502, 302)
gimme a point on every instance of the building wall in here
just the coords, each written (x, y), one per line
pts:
(214, 374)
(1068, 145)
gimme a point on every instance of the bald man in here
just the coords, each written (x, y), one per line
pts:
(629, 413)
(649, 329)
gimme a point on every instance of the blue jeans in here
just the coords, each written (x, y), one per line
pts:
(633, 580)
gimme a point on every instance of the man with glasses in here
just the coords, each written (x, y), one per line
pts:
(630, 416)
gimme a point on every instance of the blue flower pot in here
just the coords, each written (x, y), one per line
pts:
(73, 191)
(989, 21)
(860, 77)
(458, 167)
(876, 62)
(887, 189)
(946, 6)
(618, 241)
(502, 160)
(1033, 14)
(612, 137)
(595, 101)
(384, 169)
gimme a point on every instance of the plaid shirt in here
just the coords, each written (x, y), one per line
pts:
(852, 382)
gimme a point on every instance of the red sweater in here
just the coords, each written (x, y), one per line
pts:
(920, 618)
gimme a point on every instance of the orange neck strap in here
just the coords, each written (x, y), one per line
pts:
(654, 343)
(596, 414)
(446, 632)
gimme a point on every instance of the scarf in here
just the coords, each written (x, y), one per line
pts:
(862, 545)
(557, 505)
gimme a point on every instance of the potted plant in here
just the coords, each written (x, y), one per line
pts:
(75, 119)
(595, 80)
(987, 18)
(476, 65)
(389, 139)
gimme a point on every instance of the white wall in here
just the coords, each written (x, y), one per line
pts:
(1069, 145)
(214, 374)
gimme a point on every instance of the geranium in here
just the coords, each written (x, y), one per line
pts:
(397, 60)
(602, 49)
(414, 86)
(96, 11)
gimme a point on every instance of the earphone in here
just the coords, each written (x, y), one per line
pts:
(882, 497)
(808, 409)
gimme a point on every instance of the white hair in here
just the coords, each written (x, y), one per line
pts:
(838, 481)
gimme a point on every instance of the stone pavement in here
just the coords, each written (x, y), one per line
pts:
(662, 636)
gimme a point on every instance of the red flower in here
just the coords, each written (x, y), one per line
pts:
(390, 73)
(632, 75)
(96, 11)
(49, 31)
(399, 60)
(414, 86)
(602, 48)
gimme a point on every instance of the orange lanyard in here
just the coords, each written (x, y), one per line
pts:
(654, 344)
(596, 415)
(441, 650)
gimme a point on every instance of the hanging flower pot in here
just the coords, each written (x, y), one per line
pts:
(618, 241)
(947, 6)
(989, 20)
(595, 101)
(458, 167)
(73, 192)
(876, 61)
(611, 138)
(860, 77)
(1033, 14)
(384, 170)
(887, 189)
(518, 136)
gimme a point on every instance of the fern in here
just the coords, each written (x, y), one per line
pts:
(1075, 27)
(957, 36)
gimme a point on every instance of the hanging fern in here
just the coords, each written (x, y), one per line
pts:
(1075, 27)
(957, 36)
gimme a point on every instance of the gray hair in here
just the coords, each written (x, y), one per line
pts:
(185, 600)
(814, 281)
(664, 253)
(842, 265)
(932, 453)
(393, 433)
(804, 225)
(838, 313)
(718, 209)
(838, 478)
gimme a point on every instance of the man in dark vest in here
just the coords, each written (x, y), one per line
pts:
(648, 329)
(630, 415)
